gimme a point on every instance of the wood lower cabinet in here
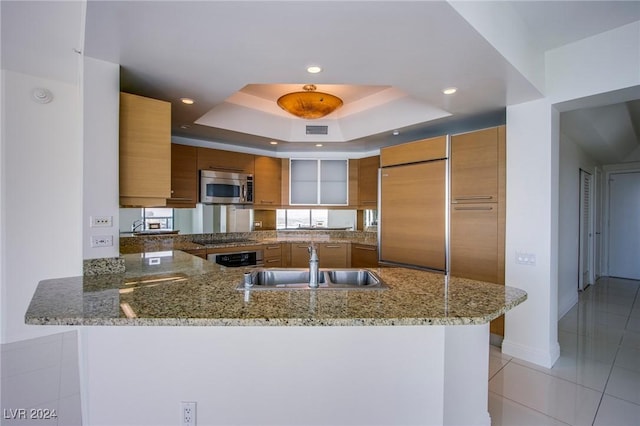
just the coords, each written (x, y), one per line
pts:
(229, 161)
(364, 256)
(330, 255)
(334, 255)
(145, 151)
(267, 184)
(299, 255)
(184, 176)
(272, 255)
(474, 241)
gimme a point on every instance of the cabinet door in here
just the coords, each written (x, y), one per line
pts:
(474, 167)
(333, 255)
(364, 256)
(474, 241)
(412, 216)
(267, 182)
(145, 151)
(299, 257)
(272, 255)
(368, 182)
(184, 177)
(414, 152)
(217, 159)
(304, 182)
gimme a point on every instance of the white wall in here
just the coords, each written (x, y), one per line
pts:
(41, 195)
(101, 107)
(532, 222)
(607, 62)
(572, 159)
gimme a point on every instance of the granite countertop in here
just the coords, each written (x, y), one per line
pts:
(194, 242)
(173, 288)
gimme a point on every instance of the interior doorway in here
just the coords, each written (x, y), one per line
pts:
(624, 226)
(586, 273)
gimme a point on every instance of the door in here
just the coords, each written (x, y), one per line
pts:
(624, 225)
(585, 254)
(412, 215)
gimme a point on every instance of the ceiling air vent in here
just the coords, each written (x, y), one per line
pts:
(317, 130)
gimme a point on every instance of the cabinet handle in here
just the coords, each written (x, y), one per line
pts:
(179, 199)
(332, 246)
(303, 247)
(369, 202)
(365, 248)
(475, 197)
(272, 247)
(473, 208)
(266, 201)
(273, 260)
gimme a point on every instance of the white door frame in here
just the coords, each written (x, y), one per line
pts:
(608, 171)
(586, 249)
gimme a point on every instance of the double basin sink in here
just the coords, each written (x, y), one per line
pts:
(293, 278)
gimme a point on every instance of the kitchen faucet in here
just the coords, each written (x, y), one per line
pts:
(313, 266)
(137, 224)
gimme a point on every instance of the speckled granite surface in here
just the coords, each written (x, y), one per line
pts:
(106, 265)
(174, 288)
(148, 243)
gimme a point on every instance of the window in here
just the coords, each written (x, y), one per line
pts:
(157, 218)
(302, 218)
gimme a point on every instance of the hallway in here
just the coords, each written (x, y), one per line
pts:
(596, 380)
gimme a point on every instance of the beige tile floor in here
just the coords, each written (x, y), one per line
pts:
(596, 380)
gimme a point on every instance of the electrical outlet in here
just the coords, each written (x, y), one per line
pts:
(101, 221)
(525, 258)
(187, 414)
(101, 240)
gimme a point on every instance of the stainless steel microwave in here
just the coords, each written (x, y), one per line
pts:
(217, 187)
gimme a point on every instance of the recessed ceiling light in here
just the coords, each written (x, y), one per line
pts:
(450, 90)
(185, 126)
(187, 101)
(396, 132)
(318, 144)
(273, 143)
(314, 69)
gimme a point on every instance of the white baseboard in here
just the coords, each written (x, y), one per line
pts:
(566, 306)
(535, 355)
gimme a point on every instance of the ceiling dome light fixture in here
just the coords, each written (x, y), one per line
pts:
(309, 104)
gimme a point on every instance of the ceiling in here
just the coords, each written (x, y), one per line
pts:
(389, 60)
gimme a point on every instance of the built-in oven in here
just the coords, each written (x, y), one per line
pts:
(217, 187)
(237, 259)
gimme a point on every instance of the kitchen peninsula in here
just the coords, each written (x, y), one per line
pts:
(414, 353)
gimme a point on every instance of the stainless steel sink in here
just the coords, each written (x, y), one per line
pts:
(293, 278)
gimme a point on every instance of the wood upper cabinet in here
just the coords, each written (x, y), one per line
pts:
(145, 151)
(267, 182)
(368, 182)
(184, 176)
(414, 152)
(474, 166)
(229, 161)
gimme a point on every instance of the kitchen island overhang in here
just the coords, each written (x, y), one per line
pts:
(416, 353)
